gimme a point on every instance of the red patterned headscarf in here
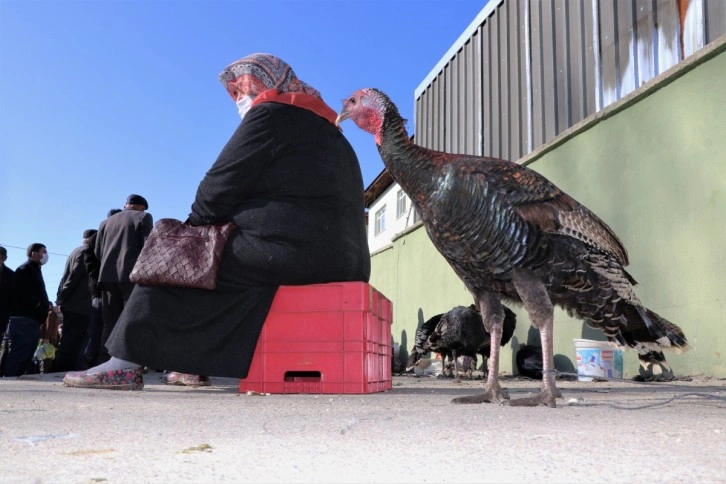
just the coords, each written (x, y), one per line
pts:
(257, 73)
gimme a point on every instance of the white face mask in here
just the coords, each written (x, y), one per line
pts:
(244, 104)
(43, 259)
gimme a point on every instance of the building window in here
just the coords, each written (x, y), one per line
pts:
(380, 221)
(402, 204)
(416, 216)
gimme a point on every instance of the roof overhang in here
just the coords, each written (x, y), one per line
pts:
(377, 187)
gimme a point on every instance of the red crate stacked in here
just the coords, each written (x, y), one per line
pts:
(324, 338)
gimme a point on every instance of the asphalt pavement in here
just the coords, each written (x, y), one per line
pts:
(600, 432)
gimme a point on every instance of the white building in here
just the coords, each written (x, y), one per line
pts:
(390, 212)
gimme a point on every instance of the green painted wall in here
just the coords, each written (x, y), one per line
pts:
(654, 168)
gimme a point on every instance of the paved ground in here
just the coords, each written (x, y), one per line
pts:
(617, 432)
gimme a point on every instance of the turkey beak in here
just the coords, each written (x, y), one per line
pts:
(341, 117)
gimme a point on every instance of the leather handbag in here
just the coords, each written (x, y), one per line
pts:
(180, 255)
(50, 331)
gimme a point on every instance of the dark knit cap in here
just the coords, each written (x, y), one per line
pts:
(137, 200)
(89, 233)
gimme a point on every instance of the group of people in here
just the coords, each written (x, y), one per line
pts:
(90, 297)
(289, 181)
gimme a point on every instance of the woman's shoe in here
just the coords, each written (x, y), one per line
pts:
(128, 379)
(186, 379)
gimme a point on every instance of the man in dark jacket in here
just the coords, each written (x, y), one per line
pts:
(30, 306)
(118, 243)
(6, 285)
(92, 341)
(74, 299)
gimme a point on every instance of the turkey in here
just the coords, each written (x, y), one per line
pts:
(529, 361)
(459, 332)
(511, 235)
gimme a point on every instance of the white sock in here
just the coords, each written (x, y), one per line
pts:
(112, 365)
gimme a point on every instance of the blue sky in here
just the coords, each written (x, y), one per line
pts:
(101, 99)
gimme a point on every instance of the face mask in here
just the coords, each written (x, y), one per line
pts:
(43, 259)
(244, 105)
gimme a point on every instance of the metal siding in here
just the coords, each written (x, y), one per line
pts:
(478, 98)
(522, 146)
(471, 126)
(645, 35)
(451, 105)
(535, 10)
(715, 19)
(576, 52)
(669, 52)
(418, 116)
(531, 69)
(428, 120)
(428, 123)
(505, 86)
(439, 111)
(433, 113)
(422, 118)
(496, 147)
(515, 80)
(549, 75)
(460, 127)
(487, 89)
(609, 52)
(693, 28)
(562, 64)
(590, 58)
(626, 48)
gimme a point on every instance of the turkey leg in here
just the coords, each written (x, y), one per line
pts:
(541, 313)
(456, 368)
(492, 315)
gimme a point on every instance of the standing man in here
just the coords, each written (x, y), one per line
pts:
(74, 299)
(6, 285)
(30, 306)
(118, 243)
(95, 326)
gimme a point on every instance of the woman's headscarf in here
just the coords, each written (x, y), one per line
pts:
(256, 73)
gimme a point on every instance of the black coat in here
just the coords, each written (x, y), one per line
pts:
(6, 286)
(292, 184)
(73, 292)
(92, 266)
(119, 240)
(29, 296)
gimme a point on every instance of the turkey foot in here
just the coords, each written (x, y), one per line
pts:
(493, 394)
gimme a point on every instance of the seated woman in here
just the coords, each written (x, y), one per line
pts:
(292, 185)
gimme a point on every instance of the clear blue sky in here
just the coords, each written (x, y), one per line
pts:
(101, 99)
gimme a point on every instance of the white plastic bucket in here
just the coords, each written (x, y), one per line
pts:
(597, 359)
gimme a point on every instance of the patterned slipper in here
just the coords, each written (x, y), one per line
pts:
(186, 379)
(128, 379)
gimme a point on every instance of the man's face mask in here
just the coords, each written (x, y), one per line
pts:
(43, 259)
(244, 104)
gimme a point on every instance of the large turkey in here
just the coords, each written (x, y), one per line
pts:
(510, 234)
(458, 332)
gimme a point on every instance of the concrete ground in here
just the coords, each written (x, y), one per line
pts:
(616, 432)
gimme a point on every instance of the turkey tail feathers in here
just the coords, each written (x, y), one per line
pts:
(663, 333)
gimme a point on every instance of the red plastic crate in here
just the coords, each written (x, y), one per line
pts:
(324, 338)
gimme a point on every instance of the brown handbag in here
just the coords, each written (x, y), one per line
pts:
(50, 331)
(180, 255)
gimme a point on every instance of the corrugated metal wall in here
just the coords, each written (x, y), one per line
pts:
(533, 68)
